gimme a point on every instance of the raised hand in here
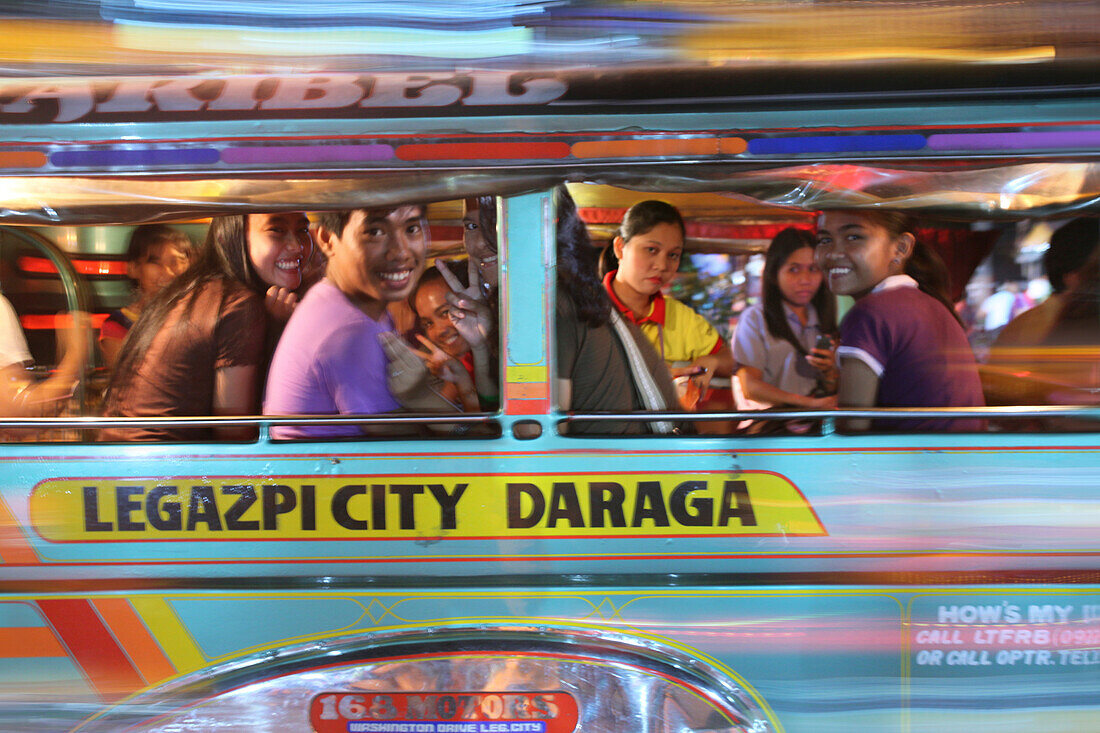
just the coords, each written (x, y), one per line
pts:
(475, 290)
(470, 313)
(407, 375)
(280, 302)
(449, 369)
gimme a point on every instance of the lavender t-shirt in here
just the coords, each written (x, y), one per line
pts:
(328, 361)
(917, 349)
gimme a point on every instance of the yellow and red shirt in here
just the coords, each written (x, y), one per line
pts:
(677, 332)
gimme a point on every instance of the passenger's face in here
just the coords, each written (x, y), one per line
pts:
(855, 253)
(380, 254)
(476, 245)
(799, 277)
(433, 310)
(160, 264)
(277, 245)
(649, 261)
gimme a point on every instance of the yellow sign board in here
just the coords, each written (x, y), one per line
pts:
(416, 507)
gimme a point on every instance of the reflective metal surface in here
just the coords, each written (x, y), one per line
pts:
(1001, 192)
(482, 679)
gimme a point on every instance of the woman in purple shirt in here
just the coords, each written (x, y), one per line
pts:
(901, 345)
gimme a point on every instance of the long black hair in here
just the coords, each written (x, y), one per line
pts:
(578, 262)
(782, 246)
(224, 255)
(924, 264)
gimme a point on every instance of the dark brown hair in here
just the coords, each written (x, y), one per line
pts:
(924, 264)
(782, 246)
(224, 255)
(644, 215)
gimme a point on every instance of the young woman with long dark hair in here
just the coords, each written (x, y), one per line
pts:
(604, 361)
(199, 346)
(649, 248)
(776, 344)
(902, 344)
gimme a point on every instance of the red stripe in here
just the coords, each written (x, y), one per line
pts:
(92, 646)
(45, 322)
(483, 151)
(43, 266)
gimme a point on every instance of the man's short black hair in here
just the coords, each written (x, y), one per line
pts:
(335, 221)
(1071, 246)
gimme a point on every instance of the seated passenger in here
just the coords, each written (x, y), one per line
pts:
(1029, 363)
(604, 361)
(901, 344)
(335, 353)
(479, 237)
(157, 253)
(1071, 248)
(456, 337)
(20, 396)
(198, 347)
(775, 344)
(649, 246)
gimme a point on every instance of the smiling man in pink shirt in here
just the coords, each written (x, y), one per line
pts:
(330, 359)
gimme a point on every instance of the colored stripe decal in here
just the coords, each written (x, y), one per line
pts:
(166, 628)
(153, 157)
(14, 547)
(644, 148)
(24, 159)
(40, 322)
(1015, 140)
(836, 144)
(307, 154)
(483, 151)
(135, 639)
(44, 266)
(528, 391)
(35, 641)
(92, 646)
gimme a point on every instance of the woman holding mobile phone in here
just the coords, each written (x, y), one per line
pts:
(649, 247)
(784, 345)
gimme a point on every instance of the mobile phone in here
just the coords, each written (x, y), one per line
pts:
(824, 341)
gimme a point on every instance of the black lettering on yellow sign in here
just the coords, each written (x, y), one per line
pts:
(571, 505)
(528, 506)
(163, 510)
(134, 506)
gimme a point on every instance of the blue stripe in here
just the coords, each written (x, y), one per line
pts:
(836, 144)
(134, 158)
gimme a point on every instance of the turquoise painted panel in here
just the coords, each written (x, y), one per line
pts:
(20, 615)
(41, 675)
(227, 626)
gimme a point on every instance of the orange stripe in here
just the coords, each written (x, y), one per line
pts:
(28, 159)
(733, 145)
(14, 548)
(135, 639)
(528, 391)
(31, 641)
(645, 148)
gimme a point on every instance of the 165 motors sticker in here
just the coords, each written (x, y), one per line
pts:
(453, 712)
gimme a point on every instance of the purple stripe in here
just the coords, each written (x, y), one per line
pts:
(306, 154)
(1015, 140)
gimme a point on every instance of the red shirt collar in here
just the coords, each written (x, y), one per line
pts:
(656, 312)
